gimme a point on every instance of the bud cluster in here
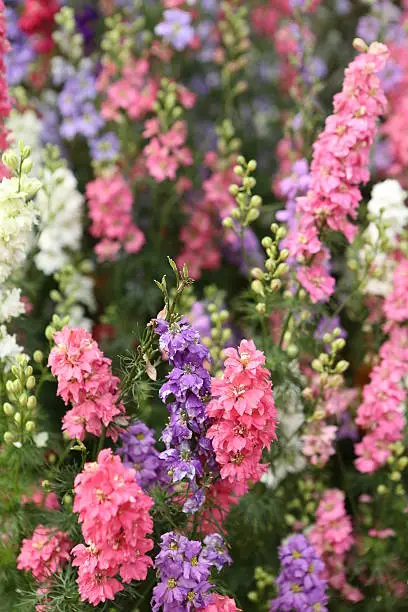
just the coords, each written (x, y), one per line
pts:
(326, 365)
(166, 105)
(264, 581)
(302, 508)
(66, 36)
(247, 208)
(21, 407)
(268, 281)
(233, 56)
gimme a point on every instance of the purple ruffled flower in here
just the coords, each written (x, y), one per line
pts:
(105, 148)
(21, 54)
(183, 567)
(188, 454)
(138, 451)
(176, 28)
(300, 586)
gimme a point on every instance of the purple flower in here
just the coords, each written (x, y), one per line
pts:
(200, 320)
(105, 148)
(183, 567)
(176, 28)
(21, 54)
(233, 251)
(368, 28)
(188, 454)
(300, 586)
(90, 121)
(138, 451)
(67, 102)
(216, 551)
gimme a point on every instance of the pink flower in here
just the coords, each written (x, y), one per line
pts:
(110, 210)
(340, 163)
(115, 519)
(332, 537)
(243, 414)
(44, 553)
(220, 603)
(380, 413)
(86, 381)
(317, 282)
(318, 442)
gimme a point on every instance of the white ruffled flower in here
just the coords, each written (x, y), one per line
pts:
(60, 206)
(388, 201)
(27, 127)
(17, 218)
(9, 349)
(10, 304)
(388, 204)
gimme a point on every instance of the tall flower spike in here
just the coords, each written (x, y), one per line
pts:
(243, 414)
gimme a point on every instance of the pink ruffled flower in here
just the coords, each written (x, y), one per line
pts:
(165, 152)
(5, 101)
(332, 536)
(110, 203)
(45, 553)
(318, 442)
(220, 603)
(380, 414)
(243, 413)
(85, 380)
(340, 163)
(114, 514)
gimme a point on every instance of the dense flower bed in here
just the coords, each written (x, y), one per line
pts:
(203, 305)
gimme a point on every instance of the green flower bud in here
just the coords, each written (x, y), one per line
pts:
(261, 308)
(252, 165)
(257, 287)
(30, 384)
(17, 418)
(8, 437)
(32, 402)
(8, 409)
(30, 426)
(342, 366)
(257, 273)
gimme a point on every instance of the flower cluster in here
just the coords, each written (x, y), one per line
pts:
(45, 553)
(37, 21)
(138, 451)
(60, 207)
(189, 453)
(166, 151)
(300, 582)
(184, 567)
(85, 380)
(114, 515)
(21, 54)
(339, 165)
(332, 537)
(381, 412)
(76, 103)
(243, 414)
(110, 210)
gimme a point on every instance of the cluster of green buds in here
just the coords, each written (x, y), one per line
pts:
(269, 280)
(52, 158)
(57, 323)
(364, 252)
(327, 365)
(219, 335)
(248, 205)
(264, 583)
(21, 407)
(301, 510)
(65, 297)
(397, 464)
(20, 163)
(66, 36)
(234, 54)
(120, 36)
(166, 105)
(228, 144)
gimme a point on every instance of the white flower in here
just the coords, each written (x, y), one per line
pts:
(10, 304)
(16, 221)
(9, 348)
(388, 201)
(27, 127)
(80, 288)
(41, 439)
(60, 206)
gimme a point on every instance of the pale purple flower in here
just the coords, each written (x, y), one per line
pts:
(105, 148)
(368, 28)
(300, 585)
(90, 121)
(176, 28)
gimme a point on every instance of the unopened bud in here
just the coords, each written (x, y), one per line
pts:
(30, 426)
(257, 287)
(31, 402)
(8, 409)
